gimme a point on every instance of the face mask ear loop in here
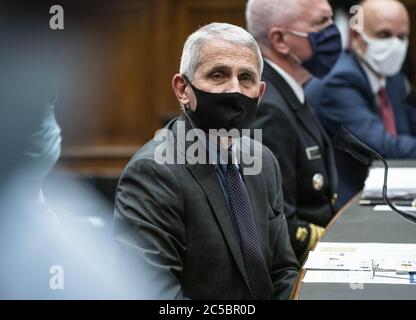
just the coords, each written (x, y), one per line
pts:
(186, 80)
(364, 36)
(359, 51)
(299, 34)
(361, 54)
(294, 57)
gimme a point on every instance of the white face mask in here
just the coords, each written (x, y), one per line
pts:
(385, 56)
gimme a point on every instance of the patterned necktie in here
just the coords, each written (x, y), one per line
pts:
(257, 274)
(386, 112)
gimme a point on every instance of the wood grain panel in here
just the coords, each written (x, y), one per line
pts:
(120, 58)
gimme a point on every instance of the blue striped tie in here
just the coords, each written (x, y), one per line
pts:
(257, 273)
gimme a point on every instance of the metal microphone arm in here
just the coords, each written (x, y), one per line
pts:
(347, 142)
(407, 215)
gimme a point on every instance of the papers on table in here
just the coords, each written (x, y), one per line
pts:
(356, 278)
(361, 263)
(401, 183)
(387, 208)
(337, 261)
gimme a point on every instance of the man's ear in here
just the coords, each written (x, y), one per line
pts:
(179, 88)
(354, 34)
(356, 42)
(262, 89)
(277, 40)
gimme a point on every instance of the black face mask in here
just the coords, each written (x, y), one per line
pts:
(222, 110)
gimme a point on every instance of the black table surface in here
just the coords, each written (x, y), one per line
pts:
(362, 224)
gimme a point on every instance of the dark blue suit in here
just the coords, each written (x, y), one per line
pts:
(345, 97)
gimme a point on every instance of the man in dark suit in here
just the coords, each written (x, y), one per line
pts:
(209, 229)
(366, 94)
(292, 42)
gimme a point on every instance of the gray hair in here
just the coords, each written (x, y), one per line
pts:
(261, 15)
(191, 54)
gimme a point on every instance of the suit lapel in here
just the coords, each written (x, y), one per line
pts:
(305, 120)
(395, 92)
(329, 159)
(367, 91)
(308, 121)
(207, 178)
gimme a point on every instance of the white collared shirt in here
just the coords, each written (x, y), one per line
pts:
(212, 147)
(294, 85)
(223, 156)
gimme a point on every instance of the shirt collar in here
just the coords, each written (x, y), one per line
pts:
(294, 85)
(222, 156)
(216, 155)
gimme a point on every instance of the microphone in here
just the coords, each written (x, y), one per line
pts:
(347, 142)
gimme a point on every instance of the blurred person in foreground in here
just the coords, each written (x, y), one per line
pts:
(44, 254)
(209, 229)
(47, 254)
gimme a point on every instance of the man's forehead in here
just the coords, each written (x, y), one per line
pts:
(312, 11)
(381, 18)
(384, 10)
(225, 48)
(227, 53)
(317, 7)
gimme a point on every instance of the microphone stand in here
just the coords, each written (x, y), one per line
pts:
(347, 142)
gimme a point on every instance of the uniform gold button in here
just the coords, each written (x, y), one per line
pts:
(318, 181)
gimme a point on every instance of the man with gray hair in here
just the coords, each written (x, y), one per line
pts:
(297, 39)
(209, 230)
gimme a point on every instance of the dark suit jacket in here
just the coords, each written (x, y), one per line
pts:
(289, 129)
(175, 217)
(345, 97)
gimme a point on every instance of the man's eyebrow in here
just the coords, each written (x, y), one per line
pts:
(218, 67)
(223, 67)
(322, 18)
(384, 30)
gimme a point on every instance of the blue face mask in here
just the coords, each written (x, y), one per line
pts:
(326, 47)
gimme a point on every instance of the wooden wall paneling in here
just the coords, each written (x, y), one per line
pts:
(166, 53)
(122, 56)
(201, 12)
(131, 120)
(109, 106)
